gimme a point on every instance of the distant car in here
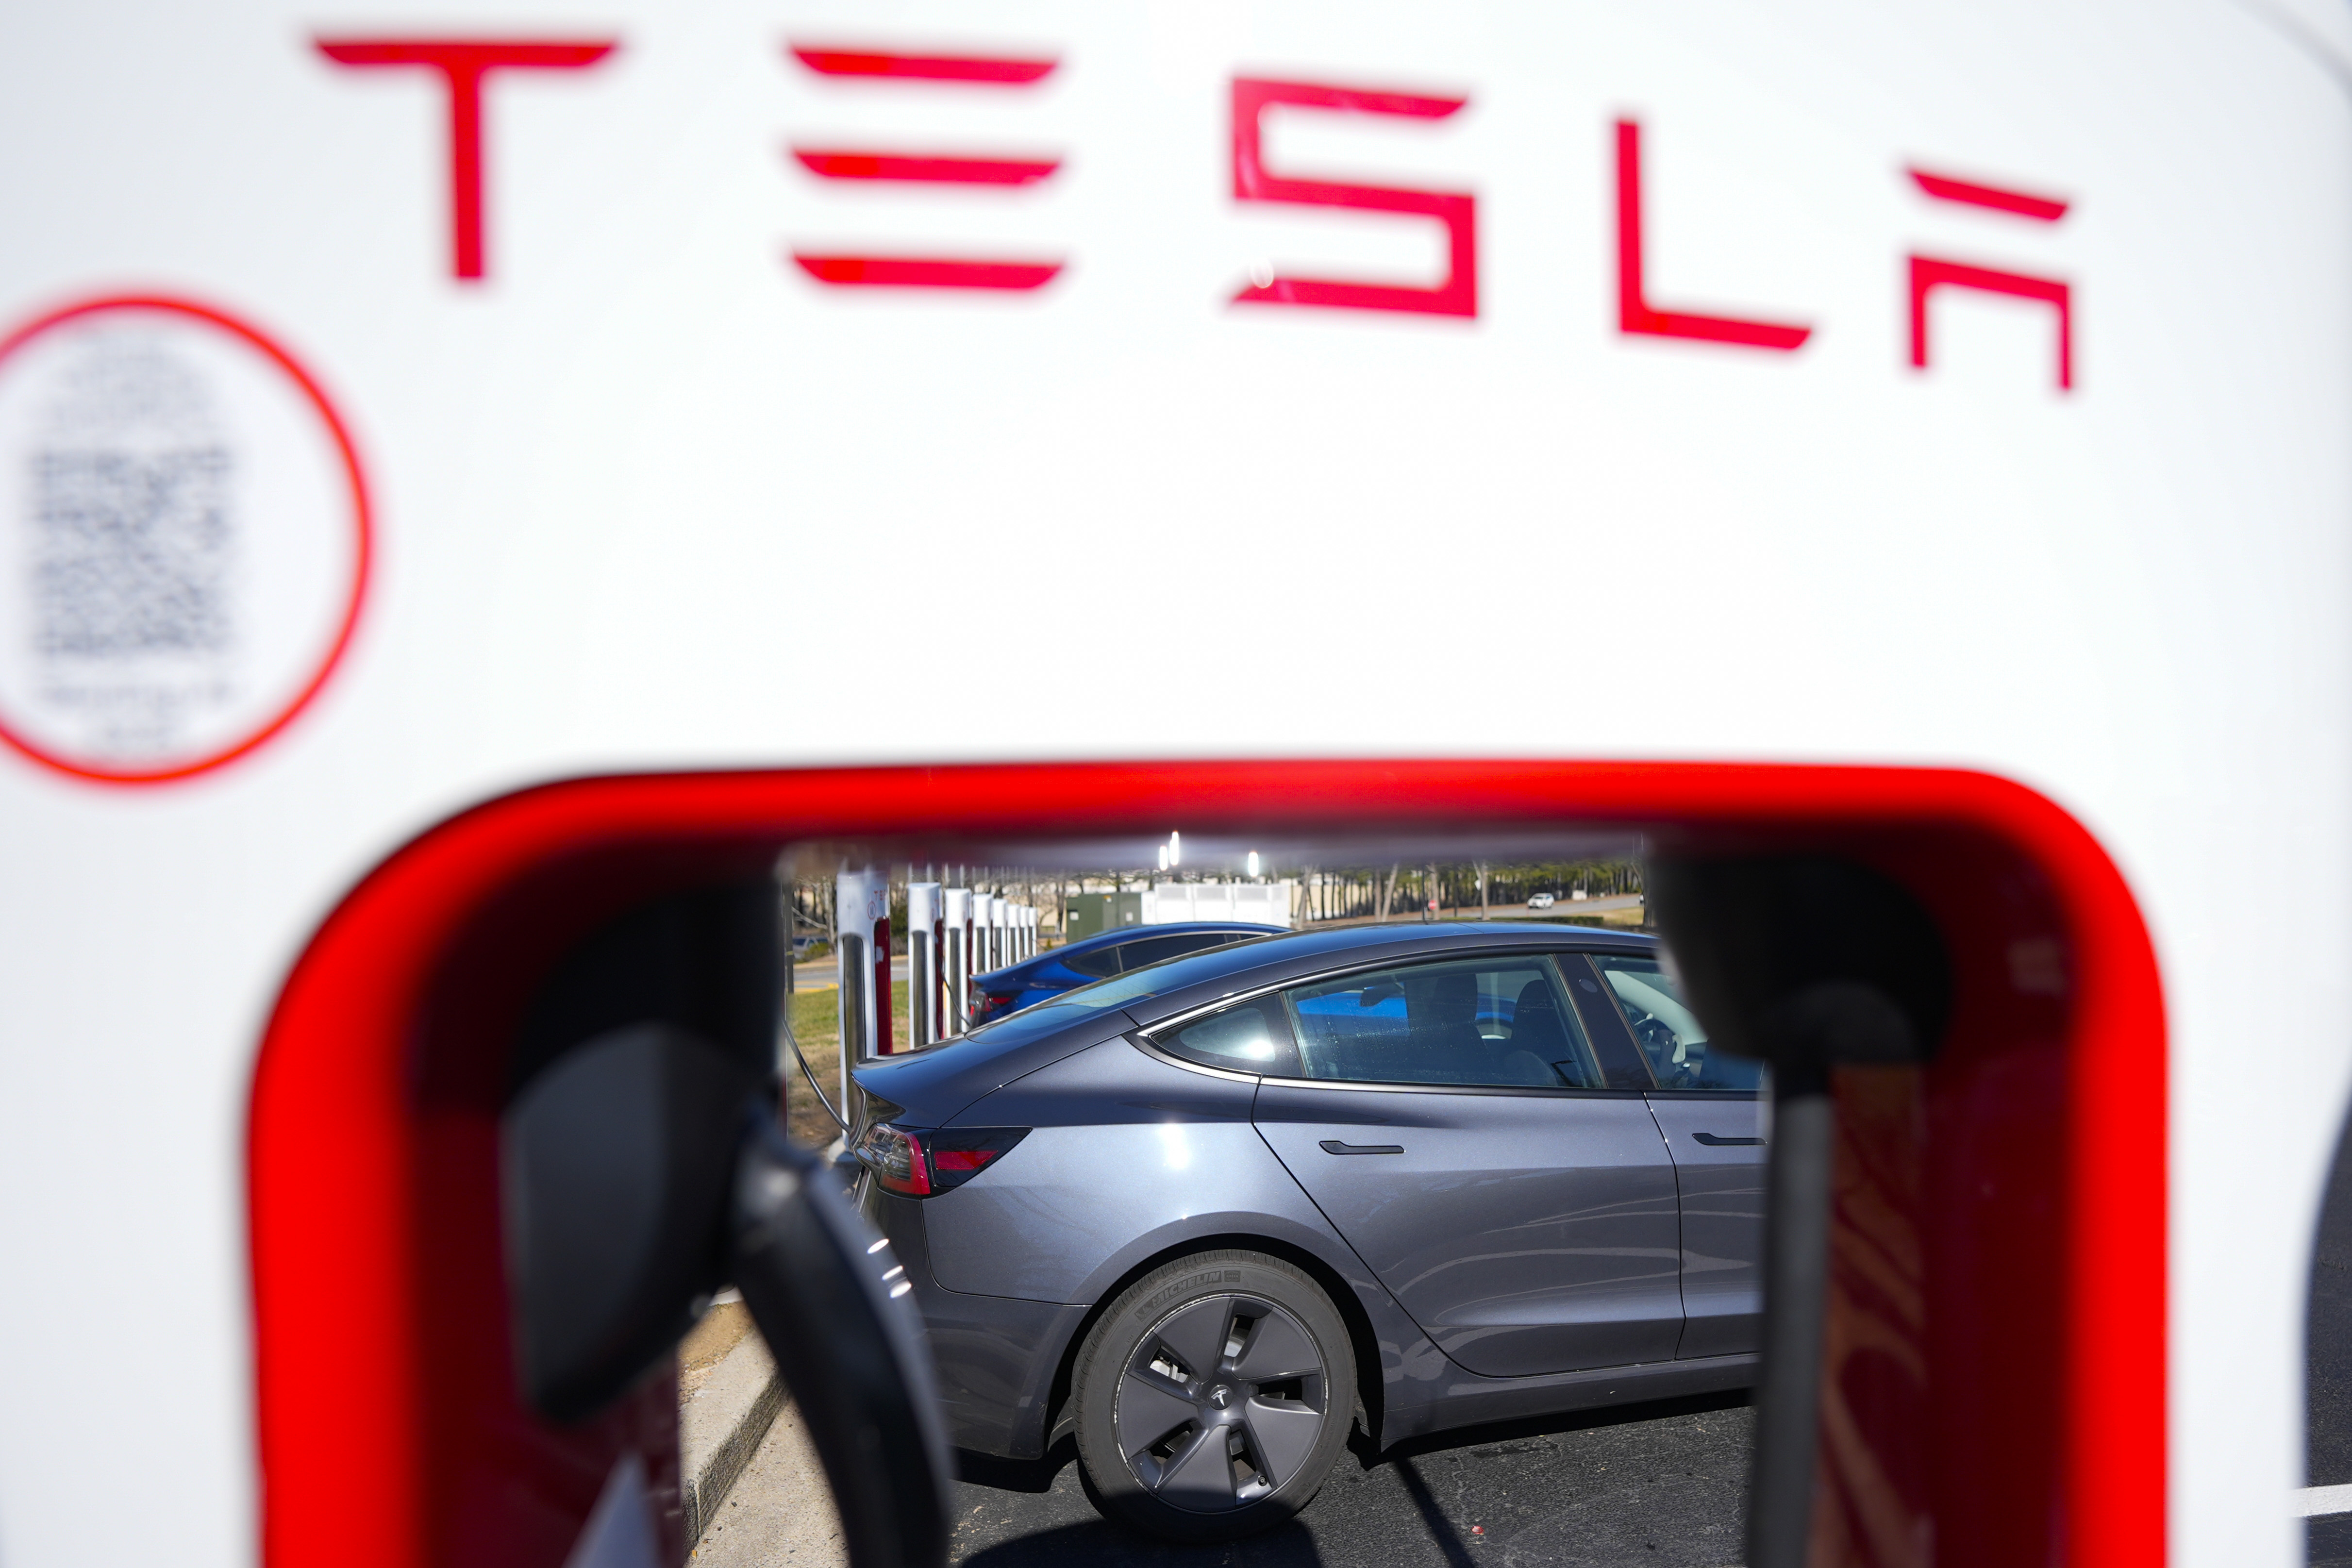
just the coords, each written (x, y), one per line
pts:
(1202, 1216)
(1056, 969)
(1541, 900)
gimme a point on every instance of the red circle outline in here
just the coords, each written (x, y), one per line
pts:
(361, 519)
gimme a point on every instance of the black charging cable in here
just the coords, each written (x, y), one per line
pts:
(1809, 963)
(1796, 1302)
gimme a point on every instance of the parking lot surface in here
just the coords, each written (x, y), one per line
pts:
(1651, 1484)
(1661, 1483)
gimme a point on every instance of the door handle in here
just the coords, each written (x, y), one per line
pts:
(1709, 1139)
(1333, 1146)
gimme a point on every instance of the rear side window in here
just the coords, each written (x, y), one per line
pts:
(1669, 1032)
(1251, 1037)
(1102, 962)
(1101, 995)
(1153, 949)
(1494, 1021)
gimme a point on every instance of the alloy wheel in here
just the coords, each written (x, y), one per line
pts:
(1221, 1403)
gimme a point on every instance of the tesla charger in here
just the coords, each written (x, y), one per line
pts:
(924, 924)
(1919, 437)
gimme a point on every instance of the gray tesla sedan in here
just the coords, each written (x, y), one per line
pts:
(1205, 1215)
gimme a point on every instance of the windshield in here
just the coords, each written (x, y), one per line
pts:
(1153, 980)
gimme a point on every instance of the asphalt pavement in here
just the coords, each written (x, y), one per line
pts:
(1661, 1483)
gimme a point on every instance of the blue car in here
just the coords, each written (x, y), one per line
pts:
(1205, 1215)
(1082, 962)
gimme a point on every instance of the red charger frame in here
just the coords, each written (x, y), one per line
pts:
(1998, 1290)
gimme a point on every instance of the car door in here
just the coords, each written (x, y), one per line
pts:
(1709, 1105)
(1451, 1121)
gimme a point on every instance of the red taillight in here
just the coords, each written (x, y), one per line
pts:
(896, 1158)
(919, 1164)
(960, 1154)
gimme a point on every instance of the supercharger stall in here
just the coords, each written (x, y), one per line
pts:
(862, 941)
(926, 947)
(461, 480)
(960, 970)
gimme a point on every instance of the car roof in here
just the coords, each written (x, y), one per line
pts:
(1202, 977)
(1175, 928)
(1120, 938)
(939, 1081)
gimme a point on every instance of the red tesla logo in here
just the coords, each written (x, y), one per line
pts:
(925, 169)
(464, 64)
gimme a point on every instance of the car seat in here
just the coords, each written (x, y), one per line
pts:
(1539, 1038)
(1442, 1042)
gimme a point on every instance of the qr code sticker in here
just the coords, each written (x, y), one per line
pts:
(132, 545)
(131, 551)
(184, 540)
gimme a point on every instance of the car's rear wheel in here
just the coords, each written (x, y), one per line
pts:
(1214, 1396)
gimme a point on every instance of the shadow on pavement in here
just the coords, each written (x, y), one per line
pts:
(1506, 1432)
(1102, 1545)
(1033, 1475)
(1441, 1529)
(1407, 1506)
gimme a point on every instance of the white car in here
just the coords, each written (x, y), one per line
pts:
(1541, 900)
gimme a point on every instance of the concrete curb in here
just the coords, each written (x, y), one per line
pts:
(721, 1425)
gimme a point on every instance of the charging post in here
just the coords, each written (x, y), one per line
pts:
(923, 946)
(862, 946)
(957, 949)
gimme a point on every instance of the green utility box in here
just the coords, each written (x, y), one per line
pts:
(1091, 914)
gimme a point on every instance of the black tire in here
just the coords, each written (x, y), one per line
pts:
(1214, 1396)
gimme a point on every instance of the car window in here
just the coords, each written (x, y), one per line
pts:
(1473, 1021)
(1099, 995)
(1251, 1037)
(1670, 1035)
(1153, 949)
(1101, 963)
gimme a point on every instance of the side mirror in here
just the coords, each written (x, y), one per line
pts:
(641, 1171)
